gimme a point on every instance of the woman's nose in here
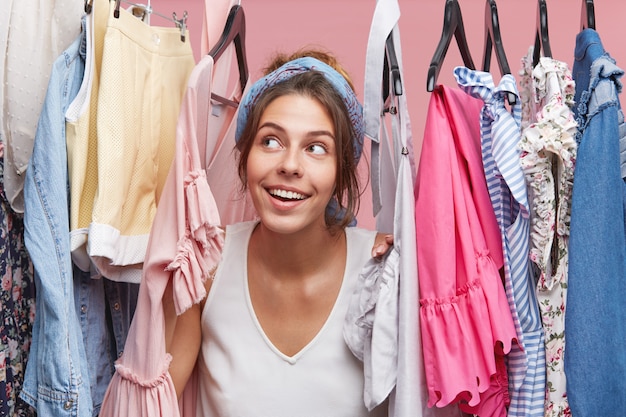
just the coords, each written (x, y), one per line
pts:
(291, 164)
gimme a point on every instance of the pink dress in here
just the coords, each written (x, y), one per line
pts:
(465, 319)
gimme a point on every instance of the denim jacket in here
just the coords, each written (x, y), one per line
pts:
(81, 323)
(55, 381)
(595, 318)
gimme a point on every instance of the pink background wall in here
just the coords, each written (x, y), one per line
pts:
(343, 27)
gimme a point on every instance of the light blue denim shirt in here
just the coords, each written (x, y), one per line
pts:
(81, 323)
(595, 317)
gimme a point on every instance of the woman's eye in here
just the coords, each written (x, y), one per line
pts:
(270, 142)
(317, 149)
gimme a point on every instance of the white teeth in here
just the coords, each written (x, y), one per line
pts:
(289, 195)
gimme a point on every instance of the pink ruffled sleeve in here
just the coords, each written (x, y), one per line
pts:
(185, 246)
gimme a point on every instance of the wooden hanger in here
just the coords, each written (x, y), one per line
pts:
(587, 15)
(542, 40)
(493, 40)
(452, 26)
(234, 31)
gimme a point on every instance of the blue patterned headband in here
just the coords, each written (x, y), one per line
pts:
(299, 66)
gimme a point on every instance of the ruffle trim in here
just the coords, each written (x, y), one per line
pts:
(128, 375)
(496, 399)
(200, 249)
(540, 74)
(549, 141)
(603, 68)
(128, 394)
(460, 335)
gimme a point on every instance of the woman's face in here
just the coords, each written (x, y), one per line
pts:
(292, 164)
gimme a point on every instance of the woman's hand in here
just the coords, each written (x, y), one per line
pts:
(382, 244)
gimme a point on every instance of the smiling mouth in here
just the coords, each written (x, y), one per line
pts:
(285, 195)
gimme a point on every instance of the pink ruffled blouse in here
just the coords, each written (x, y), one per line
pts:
(465, 319)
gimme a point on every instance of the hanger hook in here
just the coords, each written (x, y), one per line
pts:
(181, 24)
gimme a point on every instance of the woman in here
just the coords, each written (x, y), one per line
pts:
(267, 340)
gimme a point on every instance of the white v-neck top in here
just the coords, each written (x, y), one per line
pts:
(242, 374)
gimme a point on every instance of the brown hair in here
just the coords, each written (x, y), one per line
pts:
(314, 84)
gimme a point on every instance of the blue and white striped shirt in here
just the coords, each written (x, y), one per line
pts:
(500, 135)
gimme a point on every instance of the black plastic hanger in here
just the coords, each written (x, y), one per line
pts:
(234, 31)
(452, 26)
(588, 15)
(493, 40)
(542, 40)
(392, 68)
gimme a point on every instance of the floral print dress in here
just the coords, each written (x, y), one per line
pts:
(548, 155)
(17, 306)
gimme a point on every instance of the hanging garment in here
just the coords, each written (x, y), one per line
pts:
(184, 244)
(382, 322)
(220, 158)
(184, 247)
(143, 77)
(57, 373)
(371, 328)
(47, 27)
(105, 309)
(217, 124)
(548, 157)
(242, 373)
(17, 298)
(595, 323)
(82, 138)
(500, 136)
(465, 319)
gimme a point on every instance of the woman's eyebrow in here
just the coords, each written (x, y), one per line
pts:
(313, 133)
(272, 125)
